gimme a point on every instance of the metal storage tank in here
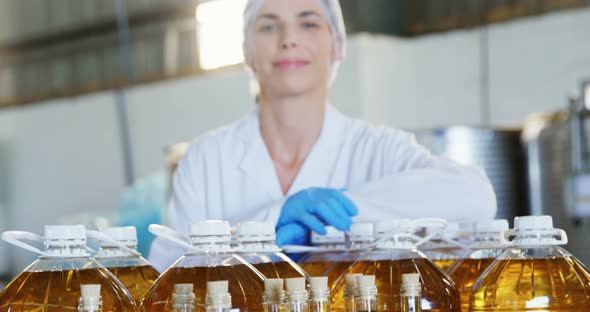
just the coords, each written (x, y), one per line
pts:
(497, 151)
(557, 151)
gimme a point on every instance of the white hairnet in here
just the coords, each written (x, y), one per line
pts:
(333, 12)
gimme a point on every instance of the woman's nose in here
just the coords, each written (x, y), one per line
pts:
(289, 39)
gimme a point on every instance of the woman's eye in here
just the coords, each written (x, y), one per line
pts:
(267, 28)
(310, 25)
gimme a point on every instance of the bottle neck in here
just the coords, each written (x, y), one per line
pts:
(411, 304)
(221, 247)
(410, 297)
(360, 245)
(535, 239)
(218, 302)
(258, 246)
(183, 302)
(273, 298)
(366, 299)
(320, 294)
(115, 252)
(401, 241)
(297, 301)
(92, 304)
(319, 305)
(67, 251)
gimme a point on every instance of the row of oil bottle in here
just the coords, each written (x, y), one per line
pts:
(387, 266)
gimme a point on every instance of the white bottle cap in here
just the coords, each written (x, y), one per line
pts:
(536, 230)
(362, 232)
(332, 236)
(318, 283)
(273, 285)
(210, 231)
(65, 235)
(491, 226)
(183, 289)
(90, 290)
(350, 280)
(295, 283)
(217, 288)
(533, 223)
(411, 284)
(256, 231)
(410, 279)
(365, 281)
(386, 227)
(125, 235)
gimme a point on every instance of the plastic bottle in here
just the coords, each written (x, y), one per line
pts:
(90, 300)
(53, 282)
(535, 274)
(410, 293)
(361, 239)
(272, 300)
(118, 253)
(319, 294)
(366, 294)
(444, 249)
(218, 298)
(396, 253)
(209, 257)
(256, 245)
(296, 297)
(350, 289)
(183, 298)
(327, 251)
(487, 246)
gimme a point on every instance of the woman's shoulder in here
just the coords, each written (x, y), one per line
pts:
(359, 130)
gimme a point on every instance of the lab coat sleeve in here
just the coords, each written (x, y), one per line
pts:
(185, 197)
(412, 183)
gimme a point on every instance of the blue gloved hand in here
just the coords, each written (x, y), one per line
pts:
(312, 208)
(292, 234)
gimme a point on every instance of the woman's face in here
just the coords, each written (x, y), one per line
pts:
(291, 48)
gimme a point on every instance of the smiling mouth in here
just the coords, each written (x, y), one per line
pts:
(290, 64)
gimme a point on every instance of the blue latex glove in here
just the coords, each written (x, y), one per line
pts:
(311, 209)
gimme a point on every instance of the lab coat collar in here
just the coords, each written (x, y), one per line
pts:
(316, 171)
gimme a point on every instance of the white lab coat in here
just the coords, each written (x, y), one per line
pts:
(228, 174)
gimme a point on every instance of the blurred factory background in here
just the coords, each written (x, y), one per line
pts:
(95, 93)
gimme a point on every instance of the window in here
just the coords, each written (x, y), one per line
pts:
(219, 28)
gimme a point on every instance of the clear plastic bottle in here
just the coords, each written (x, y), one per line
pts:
(256, 245)
(319, 294)
(366, 295)
(90, 300)
(444, 249)
(53, 282)
(350, 289)
(327, 251)
(274, 296)
(183, 298)
(487, 246)
(535, 274)
(218, 298)
(296, 297)
(396, 253)
(118, 253)
(209, 257)
(360, 238)
(410, 293)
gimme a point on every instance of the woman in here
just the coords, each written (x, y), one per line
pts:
(299, 162)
